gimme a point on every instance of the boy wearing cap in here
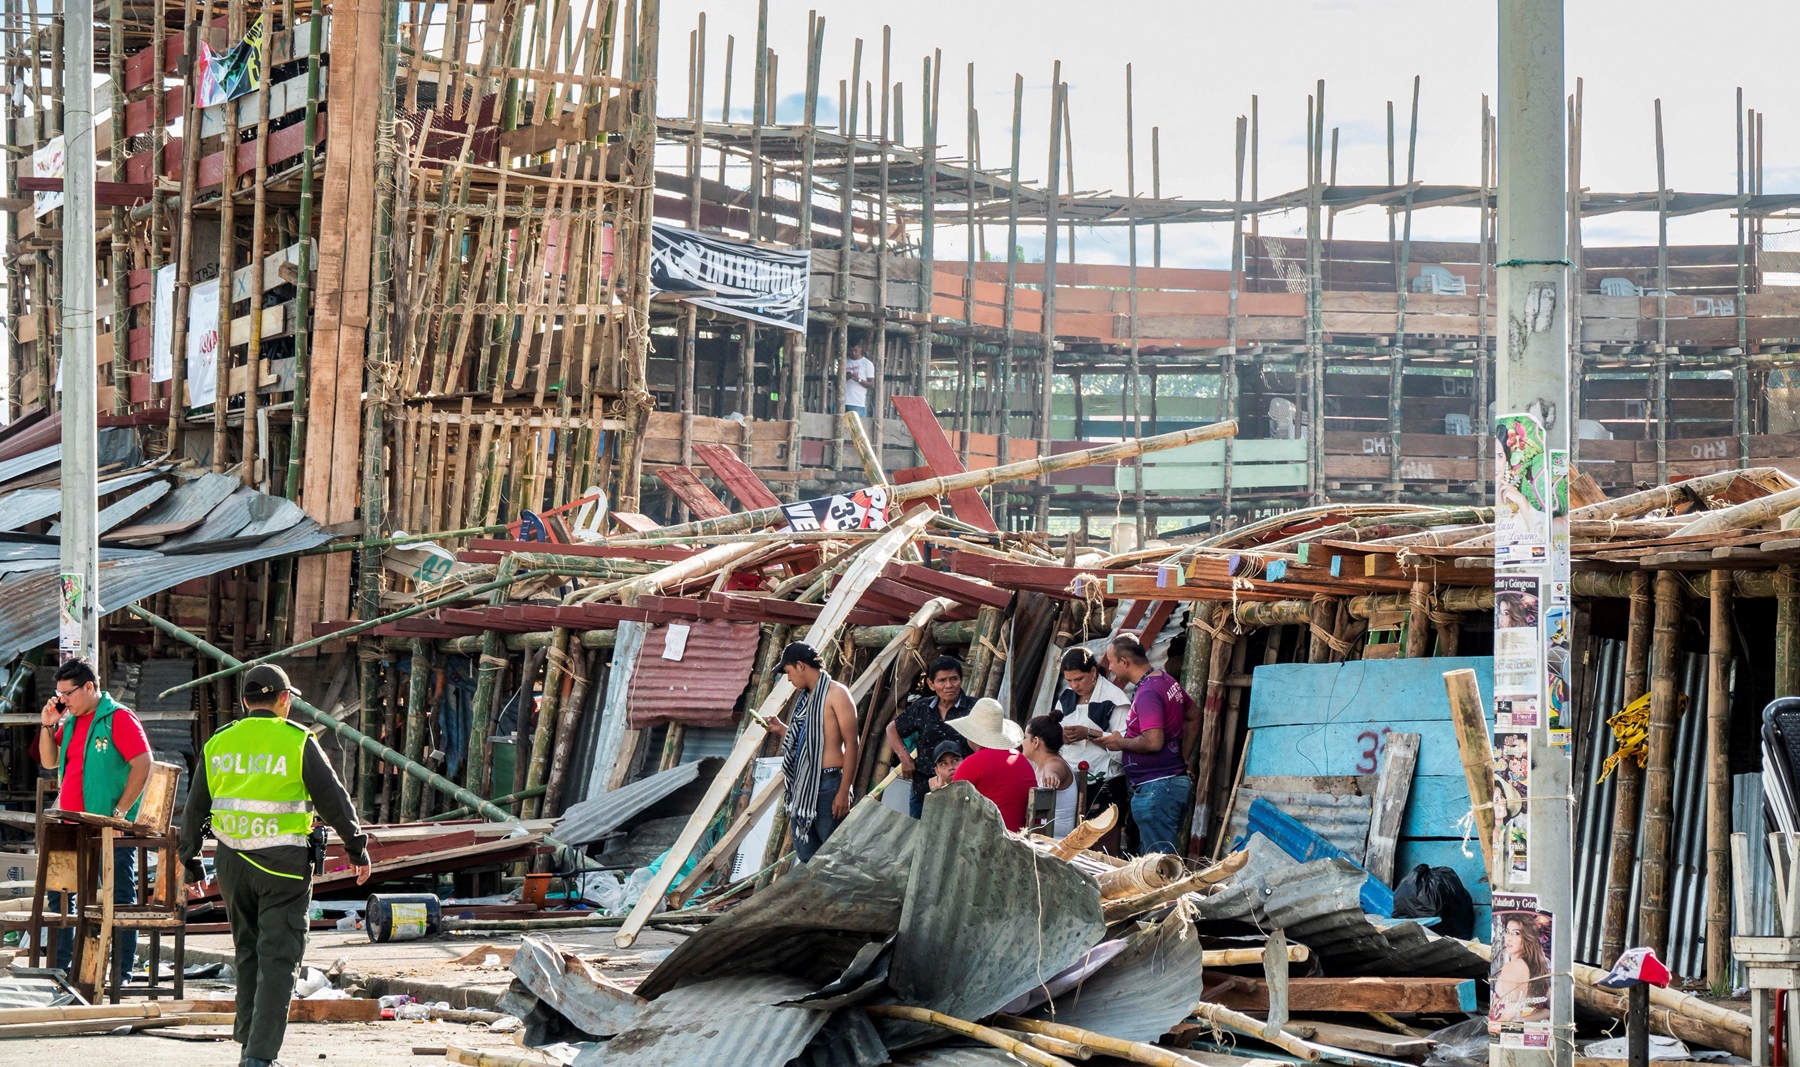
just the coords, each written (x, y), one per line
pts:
(256, 779)
(818, 749)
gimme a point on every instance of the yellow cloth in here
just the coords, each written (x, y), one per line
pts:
(1631, 730)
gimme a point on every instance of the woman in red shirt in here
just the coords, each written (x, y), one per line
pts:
(997, 770)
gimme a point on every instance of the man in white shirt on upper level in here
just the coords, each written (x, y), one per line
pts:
(859, 377)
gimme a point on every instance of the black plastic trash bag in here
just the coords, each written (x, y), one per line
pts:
(1436, 892)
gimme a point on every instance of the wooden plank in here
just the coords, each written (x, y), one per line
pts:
(920, 421)
(1391, 794)
(737, 476)
(1356, 994)
(687, 487)
(1374, 1042)
(956, 587)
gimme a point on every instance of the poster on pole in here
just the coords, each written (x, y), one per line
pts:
(162, 342)
(1512, 803)
(1519, 975)
(748, 281)
(68, 635)
(1518, 651)
(1521, 492)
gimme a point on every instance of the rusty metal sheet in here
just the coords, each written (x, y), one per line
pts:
(588, 999)
(855, 884)
(1144, 991)
(739, 1021)
(986, 915)
(702, 687)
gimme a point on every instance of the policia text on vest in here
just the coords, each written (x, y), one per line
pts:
(264, 780)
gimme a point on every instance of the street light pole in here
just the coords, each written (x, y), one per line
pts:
(1532, 884)
(80, 555)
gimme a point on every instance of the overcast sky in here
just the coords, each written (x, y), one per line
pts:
(1196, 65)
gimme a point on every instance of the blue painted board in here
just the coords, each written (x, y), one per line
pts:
(1305, 845)
(1331, 719)
(1361, 691)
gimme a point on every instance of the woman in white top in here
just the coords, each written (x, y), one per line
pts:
(1090, 706)
(1043, 739)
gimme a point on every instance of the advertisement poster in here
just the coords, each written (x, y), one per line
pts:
(1521, 492)
(766, 285)
(1519, 977)
(69, 618)
(1559, 523)
(1518, 651)
(865, 509)
(1556, 677)
(1512, 803)
(203, 344)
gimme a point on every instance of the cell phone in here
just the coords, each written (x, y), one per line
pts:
(61, 704)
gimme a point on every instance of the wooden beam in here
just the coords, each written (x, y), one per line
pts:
(1355, 994)
(1391, 793)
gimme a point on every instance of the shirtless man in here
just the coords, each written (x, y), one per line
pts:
(818, 749)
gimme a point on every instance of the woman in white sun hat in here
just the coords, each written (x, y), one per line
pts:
(997, 770)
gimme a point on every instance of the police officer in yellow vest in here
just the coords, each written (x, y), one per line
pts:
(257, 776)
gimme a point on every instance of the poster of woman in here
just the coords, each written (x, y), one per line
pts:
(1519, 978)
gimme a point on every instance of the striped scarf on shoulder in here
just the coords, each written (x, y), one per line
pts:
(803, 756)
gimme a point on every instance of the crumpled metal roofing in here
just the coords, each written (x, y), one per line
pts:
(593, 819)
(738, 1021)
(1318, 904)
(30, 505)
(193, 499)
(702, 687)
(30, 618)
(856, 883)
(1144, 991)
(570, 987)
(848, 1039)
(986, 915)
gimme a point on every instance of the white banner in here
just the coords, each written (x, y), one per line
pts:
(203, 344)
(162, 336)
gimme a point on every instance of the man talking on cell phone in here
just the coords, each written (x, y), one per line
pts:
(256, 779)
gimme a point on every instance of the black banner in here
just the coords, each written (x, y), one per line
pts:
(764, 285)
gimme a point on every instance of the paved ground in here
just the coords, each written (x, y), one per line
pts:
(427, 969)
(308, 1045)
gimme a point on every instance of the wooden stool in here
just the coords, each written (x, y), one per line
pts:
(75, 856)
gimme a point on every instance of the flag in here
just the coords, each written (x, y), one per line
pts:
(237, 72)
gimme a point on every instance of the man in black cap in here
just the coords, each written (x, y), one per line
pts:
(818, 749)
(256, 780)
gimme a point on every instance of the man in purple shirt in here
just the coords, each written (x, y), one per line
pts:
(1161, 712)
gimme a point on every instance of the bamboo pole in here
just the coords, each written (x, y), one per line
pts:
(1718, 783)
(568, 723)
(1047, 315)
(1475, 746)
(363, 627)
(1659, 771)
(1787, 630)
(1667, 496)
(347, 732)
(1743, 516)
(1629, 792)
(465, 811)
(1134, 1051)
(1418, 622)
(557, 678)
(234, 23)
(418, 697)
(1224, 1017)
(985, 1034)
(931, 487)
(259, 217)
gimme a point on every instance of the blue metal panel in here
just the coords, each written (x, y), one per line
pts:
(1305, 845)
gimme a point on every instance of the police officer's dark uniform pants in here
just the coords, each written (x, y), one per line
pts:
(268, 914)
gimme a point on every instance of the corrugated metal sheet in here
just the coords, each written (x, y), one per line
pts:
(593, 819)
(591, 1001)
(702, 742)
(1319, 905)
(1144, 991)
(30, 461)
(221, 523)
(986, 915)
(856, 883)
(30, 618)
(194, 498)
(30, 505)
(1339, 819)
(848, 1039)
(702, 687)
(738, 1021)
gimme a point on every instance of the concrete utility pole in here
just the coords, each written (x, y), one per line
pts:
(1533, 885)
(80, 631)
